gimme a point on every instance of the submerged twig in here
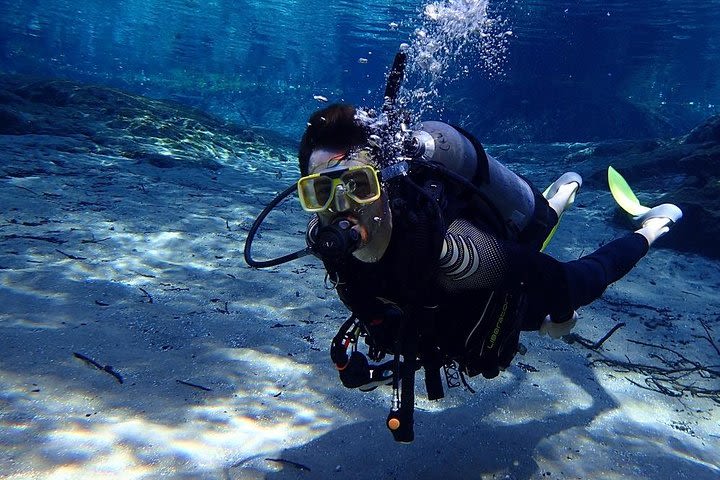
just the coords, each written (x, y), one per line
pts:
(150, 299)
(54, 240)
(625, 304)
(224, 310)
(194, 385)
(146, 275)
(709, 337)
(109, 369)
(27, 190)
(105, 368)
(93, 240)
(694, 363)
(88, 360)
(71, 257)
(671, 378)
(599, 343)
(574, 337)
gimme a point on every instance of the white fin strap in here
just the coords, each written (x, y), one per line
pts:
(557, 330)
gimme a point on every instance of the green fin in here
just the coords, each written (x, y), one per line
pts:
(623, 194)
(552, 232)
(550, 236)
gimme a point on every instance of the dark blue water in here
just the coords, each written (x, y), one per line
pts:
(573, 70)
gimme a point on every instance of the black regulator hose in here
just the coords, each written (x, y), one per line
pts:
(256, 225)
(395, 78)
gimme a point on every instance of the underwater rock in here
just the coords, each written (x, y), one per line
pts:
(516, 113)
(111, 122)
(625, 147)
(684, 171)
(13, 122)
(168, 161)
(709, 131)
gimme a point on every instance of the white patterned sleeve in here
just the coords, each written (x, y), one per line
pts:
(471, 258)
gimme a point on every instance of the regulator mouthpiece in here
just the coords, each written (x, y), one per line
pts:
(336, 240)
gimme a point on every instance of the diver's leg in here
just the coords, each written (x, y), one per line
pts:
(564, 287)
(586, 279)
(655, 221)
(557, 197)
(589, 276)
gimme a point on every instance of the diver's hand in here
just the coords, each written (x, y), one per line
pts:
(557, 330)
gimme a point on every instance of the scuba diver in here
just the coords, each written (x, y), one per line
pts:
(436, 249)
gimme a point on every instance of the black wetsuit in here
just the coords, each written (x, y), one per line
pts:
(467, 284)
(468, 291)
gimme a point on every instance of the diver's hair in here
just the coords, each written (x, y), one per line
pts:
(332, 127)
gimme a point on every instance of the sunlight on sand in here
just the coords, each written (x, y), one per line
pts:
(141, 267)
(554, 395)
(667, 419)
(621, 447)
(126, 443)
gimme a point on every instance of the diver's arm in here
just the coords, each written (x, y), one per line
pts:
(472, 258)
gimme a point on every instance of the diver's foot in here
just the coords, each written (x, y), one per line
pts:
(658, 220)
(558, 329)
(561, 194)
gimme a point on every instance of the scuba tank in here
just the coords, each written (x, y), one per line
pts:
(508, 194)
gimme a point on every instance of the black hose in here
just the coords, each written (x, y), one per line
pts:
(256, 225)
(395, 78)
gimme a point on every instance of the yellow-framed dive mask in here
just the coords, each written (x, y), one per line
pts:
(360, 184)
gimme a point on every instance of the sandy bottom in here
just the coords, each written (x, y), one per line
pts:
(140, 269)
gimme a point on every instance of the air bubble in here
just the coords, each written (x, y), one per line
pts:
(454, 33)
